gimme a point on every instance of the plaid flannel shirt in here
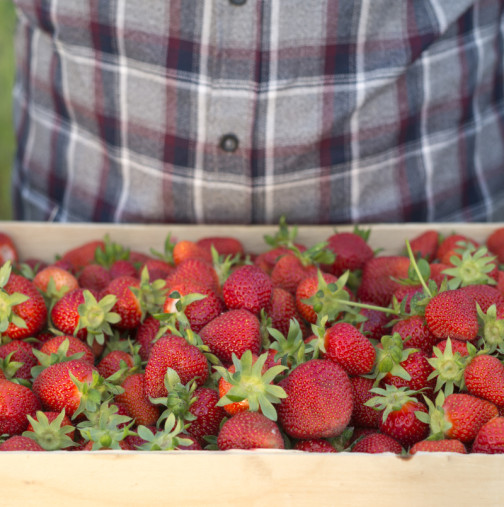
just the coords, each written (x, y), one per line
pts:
(234, 111)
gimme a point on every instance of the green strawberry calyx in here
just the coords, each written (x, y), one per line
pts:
(250, 383)
(391, 399)
(52, 435)
(170, 438)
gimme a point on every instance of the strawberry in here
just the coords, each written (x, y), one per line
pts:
(484, 377)
(351, 250)
(289, 270)
(490, 438)
(419, 370)
(459, 416)
(232, 332)
(406, 293)
(28, 305)
(399, 419)
(127, 304)
(456, 345)
(136, 402)
(249, 430)
(185, 249)
(314, 445)
(75, 346)
(55, 281)
(8, 249)
(145, 336)
(425, 244)
(307, 288)
(451, 243)
(452, 313)
(225, 245)
(267, 260)
(94, 277)
(375, 325)
(446, 445)
(197, 271)
(319, 400)
(122, 267)
(56, 389)
(20, 443)
(16, 403)
(65, 315)
(207, 415)
(82, 255)
(173, 352)
(379, 279)
(281, 309)
(248, 288)
(20, 352)
(199, 312)
(346, 346)
(158, 269)
(415, 333)
(114, 361)
(484, 295)
(376, 443)
(363, 415)
(495, 243)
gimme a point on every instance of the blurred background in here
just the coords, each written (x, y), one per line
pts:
(7, 144)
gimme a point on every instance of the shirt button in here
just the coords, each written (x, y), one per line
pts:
(237, 2)
(229, 143)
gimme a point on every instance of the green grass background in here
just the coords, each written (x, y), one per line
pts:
(7, 143)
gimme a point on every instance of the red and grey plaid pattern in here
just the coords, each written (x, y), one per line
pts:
(344, 110)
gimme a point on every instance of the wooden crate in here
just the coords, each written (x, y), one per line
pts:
(239, 477)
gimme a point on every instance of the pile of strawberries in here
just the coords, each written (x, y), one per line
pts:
(320, 348)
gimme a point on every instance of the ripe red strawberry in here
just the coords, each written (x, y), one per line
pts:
(449, 244)
(199, 313)
(56, 389)
(247, 287)
(346, 346)
(249, 430)
(419, 369)
(425, 244)
(94, 277)
(127, 304)
(415, 333)
(463, 416)
(225, 245)
(21, 353)
(65, 314)
(399, 419)
(20, 443)
(158, 269)
(289, 271)
(208, 416)
(495, 243)
(376, 443)
(62, 281)
(232, 332)
(319, 400)
(173, 352)
(197, 271)
(82, 255)
(376, 324)
(306, 289)
(136, 402)
(16, 402)
(314, 445)
(267, 260)
(145, 336)
(281, 309)
(33, 311)
(362, 415)
(446, 445)
(484, 295)
(352, 252)
(378, 284)
(452, 313)
(484, 377)
(114, 361)
(122, 267)
(75, 346)
(8, 249)
(490, 438)
(186, 249)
